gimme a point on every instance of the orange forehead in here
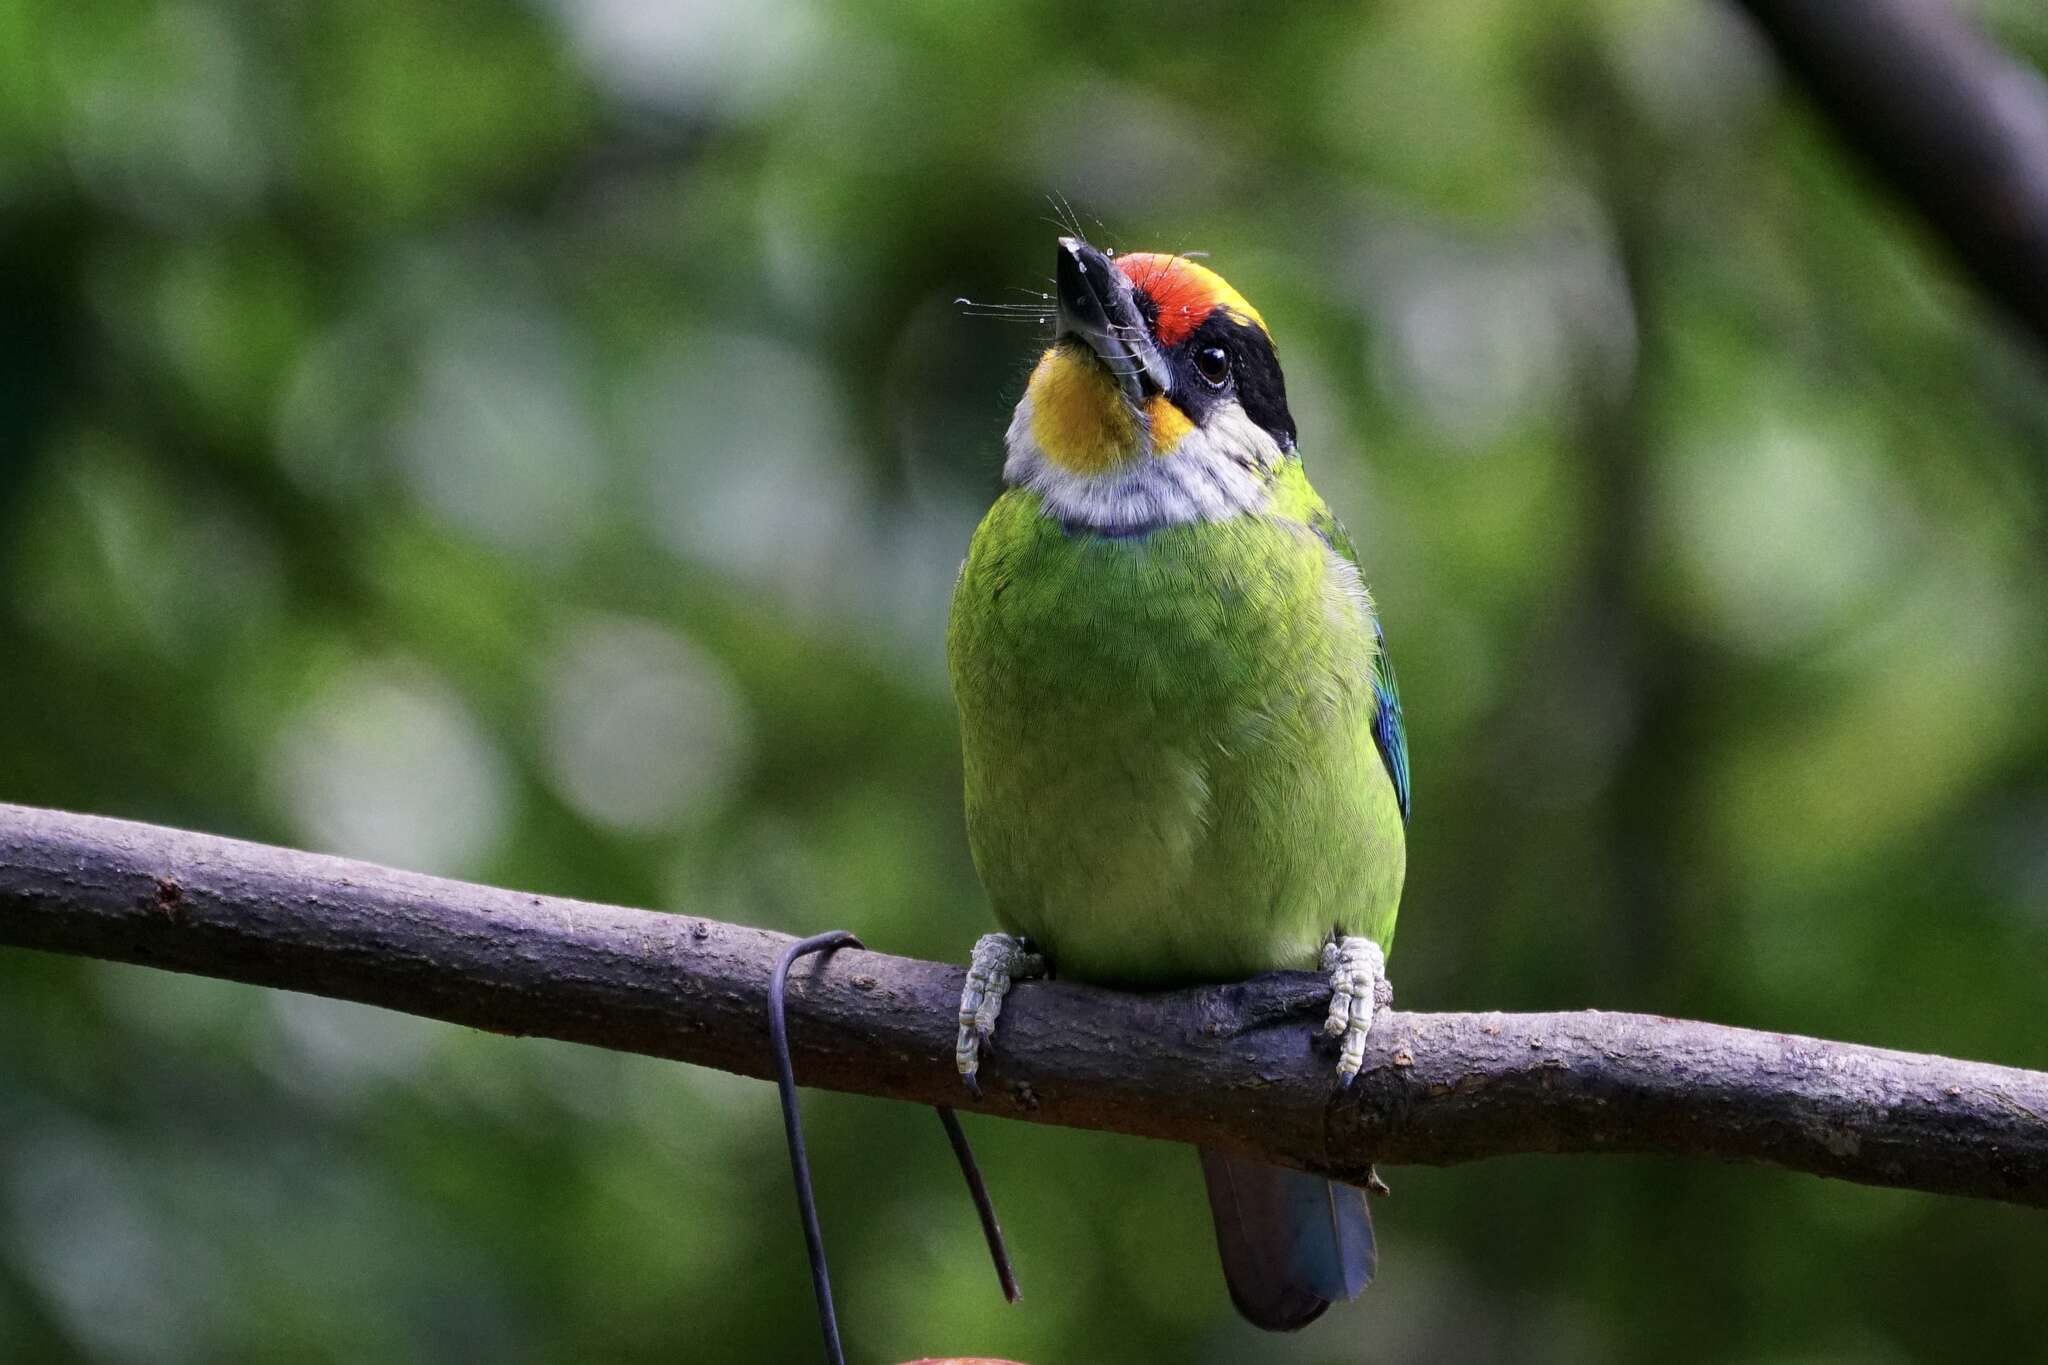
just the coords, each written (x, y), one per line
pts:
(1185, 291)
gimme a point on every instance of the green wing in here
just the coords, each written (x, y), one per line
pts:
(1387, 731)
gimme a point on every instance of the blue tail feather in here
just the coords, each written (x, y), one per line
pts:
(1291, 1243)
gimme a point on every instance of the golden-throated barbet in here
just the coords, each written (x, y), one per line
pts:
(1183, 743)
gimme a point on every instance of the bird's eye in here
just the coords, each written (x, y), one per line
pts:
(1213, 363)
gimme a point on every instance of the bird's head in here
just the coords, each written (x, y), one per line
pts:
(1156, 355)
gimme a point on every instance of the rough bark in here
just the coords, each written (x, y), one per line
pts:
(1237, 1067)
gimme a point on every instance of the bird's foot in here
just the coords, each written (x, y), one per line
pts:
(1358, 986)
(998, 960)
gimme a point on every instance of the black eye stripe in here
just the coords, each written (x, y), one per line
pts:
(1260, 387)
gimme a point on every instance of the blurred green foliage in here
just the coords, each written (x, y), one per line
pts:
(534, 444)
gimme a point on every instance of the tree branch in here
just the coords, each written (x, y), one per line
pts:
(1235, 1067)
(1958, 128)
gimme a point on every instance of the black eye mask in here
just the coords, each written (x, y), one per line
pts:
(1254, 380)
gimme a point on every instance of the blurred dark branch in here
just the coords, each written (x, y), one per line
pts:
(1234, 1067)
(1958, 128)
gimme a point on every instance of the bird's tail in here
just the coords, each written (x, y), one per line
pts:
(1292, 1243)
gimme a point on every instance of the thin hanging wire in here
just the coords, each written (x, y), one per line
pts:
(983, 1205)
(800, 1164)
(793, 1130)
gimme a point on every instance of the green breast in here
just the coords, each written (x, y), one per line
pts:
(1171, 775)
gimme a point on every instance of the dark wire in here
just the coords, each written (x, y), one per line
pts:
(793, 1129)
(983, 1205)
(800, 1163)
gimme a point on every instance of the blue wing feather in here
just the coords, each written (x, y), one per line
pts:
(1387, 731)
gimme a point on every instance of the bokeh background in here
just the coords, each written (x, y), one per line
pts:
(533, 443)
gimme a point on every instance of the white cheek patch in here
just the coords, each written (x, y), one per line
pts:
(1214, 473)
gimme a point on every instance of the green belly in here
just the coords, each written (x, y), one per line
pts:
(1171, 775)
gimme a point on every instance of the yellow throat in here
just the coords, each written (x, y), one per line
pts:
(1080, 419)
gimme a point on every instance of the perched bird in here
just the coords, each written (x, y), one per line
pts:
(1183, 742)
